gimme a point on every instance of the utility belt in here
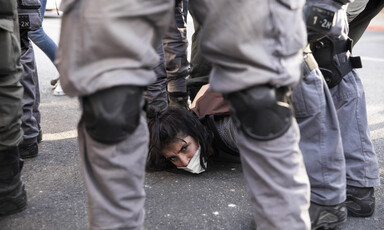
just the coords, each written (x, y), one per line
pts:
(333, 71)
(29, 14)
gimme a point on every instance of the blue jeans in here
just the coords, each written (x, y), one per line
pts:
(41, 39)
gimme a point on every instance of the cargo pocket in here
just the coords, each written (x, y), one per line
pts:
(308, 96)
(8, 47)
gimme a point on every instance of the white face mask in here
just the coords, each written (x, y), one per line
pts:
(194, 165)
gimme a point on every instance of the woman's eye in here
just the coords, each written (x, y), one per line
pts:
(184, 148)
(172, 158)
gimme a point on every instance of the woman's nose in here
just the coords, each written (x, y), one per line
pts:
(184, 161)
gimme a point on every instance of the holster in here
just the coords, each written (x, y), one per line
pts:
(326, 50)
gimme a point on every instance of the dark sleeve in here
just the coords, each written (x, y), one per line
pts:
(358, 25)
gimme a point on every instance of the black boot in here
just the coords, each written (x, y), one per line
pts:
(13, 198)
(28, 150)
(360, 201)
(327, 216)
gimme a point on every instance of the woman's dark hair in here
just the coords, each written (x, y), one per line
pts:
(167, 127)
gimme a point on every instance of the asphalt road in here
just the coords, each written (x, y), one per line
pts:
(216, 199)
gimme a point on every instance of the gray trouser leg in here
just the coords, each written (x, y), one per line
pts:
(36, 110)
(113, 174)
(173, 65)
(277, 179)
(114, 177)
(320, 141)
(175, 49)
(360, 156)
(29, 101)
(274, 170)
(11, 91)
(156, 93)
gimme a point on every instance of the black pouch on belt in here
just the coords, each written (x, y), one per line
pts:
(333, 71)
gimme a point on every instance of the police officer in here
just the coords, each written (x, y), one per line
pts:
(106, 57)
(330, 109)
(13, 197)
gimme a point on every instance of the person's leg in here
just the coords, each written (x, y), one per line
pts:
(321, 146)
(273, 168)
(361, 160)
(13, 197)
(156, 93)
(114, 177)
(30, 125)
(41, 39)
(348, 97)
(99, 73)
(177, 66)
(36, 106)
(320, 141)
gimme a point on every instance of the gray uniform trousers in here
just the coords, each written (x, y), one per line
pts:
(239, 38)
(320, 141)
(173, 67)
(11, 91)
(335, 141)
(31, 98)
(362, 168)
(274, 170)
(156, 93)
(113, 174)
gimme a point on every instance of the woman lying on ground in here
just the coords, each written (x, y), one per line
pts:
(185, 139)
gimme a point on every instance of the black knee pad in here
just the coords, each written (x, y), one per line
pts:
(262, 112)
(112, 114)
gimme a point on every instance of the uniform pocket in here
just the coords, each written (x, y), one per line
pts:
(308, 96)
(8, 47)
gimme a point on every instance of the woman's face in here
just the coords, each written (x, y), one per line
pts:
(181, 151)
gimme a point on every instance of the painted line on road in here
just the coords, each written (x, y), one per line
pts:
(60, 136)
(373, 59)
